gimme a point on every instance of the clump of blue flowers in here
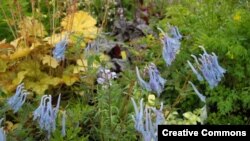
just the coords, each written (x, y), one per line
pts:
(59, 50)
(17, 100)
(2, 132)
(46, 115)
(143, 120)
(156, 82)
(171, 44)
(209, 67)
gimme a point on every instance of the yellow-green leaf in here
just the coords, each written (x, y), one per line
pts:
(80, 22)
(50, 61)
(3, 66)
(20, 77)
(69, 80)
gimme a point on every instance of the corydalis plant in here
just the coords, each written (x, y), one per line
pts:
(2, 132)
(17, 100)
(143, 120)
(171, 45)
(156, 82)
(209, 67)
(59, 50)
(46, 114)
(203, 115)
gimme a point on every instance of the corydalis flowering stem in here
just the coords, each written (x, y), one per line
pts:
(2, 132)
(171, 45)
(138, 117)
(174, 31)
(17, 100)
(159, 115)
(143, 120)
(201, 96)
(156, 82)
(59, 50)
(203, 115)
(209, 67)
(46, 114)
(141, 82)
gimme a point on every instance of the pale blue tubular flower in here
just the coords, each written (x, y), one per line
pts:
(149, 133)
(46, 114)
(138, 117)
(64, 123)
(160, 119)
(59, 50)
(141, 82)
(198, 75)
(17, 100)
(156, 82)
(174, 31)
(171, 47)
(218, 69)
(144, 123)
(201, 96)
(2, 132)
(209, 67)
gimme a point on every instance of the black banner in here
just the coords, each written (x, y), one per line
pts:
(165, 131)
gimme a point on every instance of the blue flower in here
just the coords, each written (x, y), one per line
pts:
(156, 82)
(59, 50)
(170, 48)
(2, 132)
(203, 115)
(160, 119)
(141, 82)
(201, 96)
(171, 45)
(138, 117)
(209, 67)
(149, 133)
(17, 100)
(174, 31)
(46, 114)
(144, 123)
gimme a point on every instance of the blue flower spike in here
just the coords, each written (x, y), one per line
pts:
(171, 45)
(59, 50)
(209, 67)
(156, 82)
(46, 114)
(201, 96)
(18, 99)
